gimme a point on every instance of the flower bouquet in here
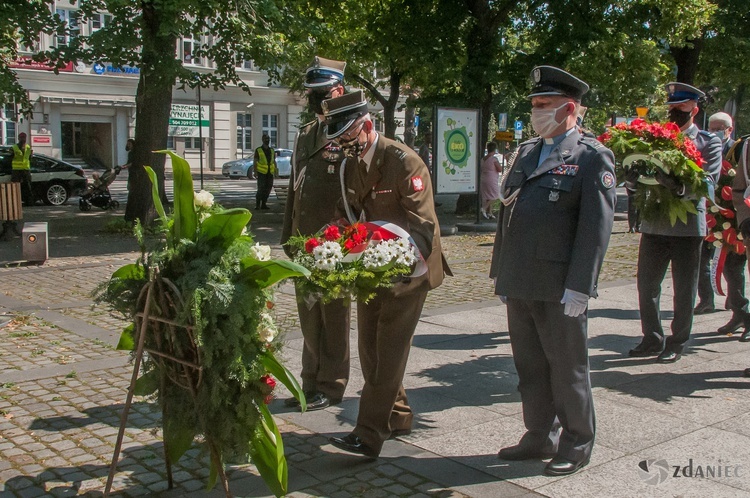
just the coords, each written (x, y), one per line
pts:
(650, 147)
(352, 261)
(200, 300)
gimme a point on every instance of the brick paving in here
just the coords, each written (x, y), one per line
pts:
(58, 429)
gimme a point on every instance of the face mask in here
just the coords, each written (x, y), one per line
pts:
(678, 117)
(543, 121)
(352, 148)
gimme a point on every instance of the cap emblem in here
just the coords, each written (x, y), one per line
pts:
(537, 75)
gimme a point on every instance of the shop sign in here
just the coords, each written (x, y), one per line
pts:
(26, 62)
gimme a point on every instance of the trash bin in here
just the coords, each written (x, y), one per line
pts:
(10, 207)
(35, 242)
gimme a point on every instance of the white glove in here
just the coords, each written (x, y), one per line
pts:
(575, 302)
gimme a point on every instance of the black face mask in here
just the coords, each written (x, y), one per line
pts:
(315, 99)
(678, 117)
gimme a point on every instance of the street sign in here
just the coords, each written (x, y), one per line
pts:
(504, 136)
(518, 126)
(502, 121)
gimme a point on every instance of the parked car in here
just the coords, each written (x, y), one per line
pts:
(53, 180)
(243, 168)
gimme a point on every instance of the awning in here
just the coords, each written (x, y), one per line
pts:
(106, 101)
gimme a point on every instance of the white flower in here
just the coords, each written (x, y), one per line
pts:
(714, 209)
(731, 172)
(327, 255)
(261, 253)
(739, 236)
(726, 225)
(204, 199)
(718, 235)
(244, 231)
(717, 244)
(266, 328)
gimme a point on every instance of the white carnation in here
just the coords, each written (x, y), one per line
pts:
(204, 199)
(261, 253)
(266, 328)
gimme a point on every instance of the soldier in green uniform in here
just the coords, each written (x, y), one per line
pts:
(383, 180)
(313, 189)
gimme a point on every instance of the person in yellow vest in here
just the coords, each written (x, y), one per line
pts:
(264, 163)
(22, 169)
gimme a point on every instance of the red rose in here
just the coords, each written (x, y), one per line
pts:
(726, 193)
(311, 244)
(271, 385)
(332, 233)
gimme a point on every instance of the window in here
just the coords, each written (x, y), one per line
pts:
(72, 28)
(244, 131)
(7, 124)
(271, 128)
(192, 143)
(98, 21)
(189, 47)
(170, 143)
(246, 65)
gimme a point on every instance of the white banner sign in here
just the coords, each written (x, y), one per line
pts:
(183, 120)
(458, 151)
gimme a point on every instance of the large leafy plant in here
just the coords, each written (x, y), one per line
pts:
(211, 353)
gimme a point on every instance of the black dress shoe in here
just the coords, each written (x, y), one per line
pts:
(704, 308)
(560, 466)
(519, 452)
(734, 323)
(745, 337)
(317, 401)
(645, 349)
(668, 356)
(291, 402)
(353, 444)
(746, 372)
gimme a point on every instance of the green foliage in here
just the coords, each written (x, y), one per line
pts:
(206, 274)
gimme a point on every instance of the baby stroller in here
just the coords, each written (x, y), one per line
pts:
(98, 194)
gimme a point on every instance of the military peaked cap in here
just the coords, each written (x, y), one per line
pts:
(549, 80)
(682, 92)
(324, 72)
(341, 112)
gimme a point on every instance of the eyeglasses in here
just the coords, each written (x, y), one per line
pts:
(349, 136)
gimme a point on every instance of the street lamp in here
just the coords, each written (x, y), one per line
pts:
(200, 130)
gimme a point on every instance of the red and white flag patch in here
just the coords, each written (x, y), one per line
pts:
(416, 182)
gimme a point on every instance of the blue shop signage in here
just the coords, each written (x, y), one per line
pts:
(99, 68)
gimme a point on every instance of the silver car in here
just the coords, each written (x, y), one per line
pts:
(243, 168)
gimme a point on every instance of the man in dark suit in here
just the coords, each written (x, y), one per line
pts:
(555, 221)
(313, 185)
(383, 180)
(680, 244)
(740, 156)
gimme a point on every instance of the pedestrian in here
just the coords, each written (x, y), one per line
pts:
(720, 124)
(558, 201)
(491, 171)
(313, 184)
(264, 162)
(384, 180)
(739, 155)
(425, 151)
(129, 146)
(680, 244)
(21, 169)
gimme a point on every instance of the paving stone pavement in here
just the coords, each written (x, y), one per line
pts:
(63, 385)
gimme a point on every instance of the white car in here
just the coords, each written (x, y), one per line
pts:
(243, 168)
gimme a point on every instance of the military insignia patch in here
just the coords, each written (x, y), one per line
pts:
(416, 182)
(608, 180)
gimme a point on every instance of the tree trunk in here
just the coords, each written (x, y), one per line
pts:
(409, 132)
(153, 104)
(686, 59)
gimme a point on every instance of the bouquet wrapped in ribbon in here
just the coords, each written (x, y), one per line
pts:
(352, 261)
(722, 225)
(658, 154)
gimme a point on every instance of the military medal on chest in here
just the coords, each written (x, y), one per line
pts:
(554, 196)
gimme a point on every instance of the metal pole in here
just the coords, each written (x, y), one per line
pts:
(200, 131)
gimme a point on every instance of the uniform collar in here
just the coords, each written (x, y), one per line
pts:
(367, 158)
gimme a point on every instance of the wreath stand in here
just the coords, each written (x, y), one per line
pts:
(177, 364)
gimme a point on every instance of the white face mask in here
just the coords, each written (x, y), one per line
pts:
(543, 121)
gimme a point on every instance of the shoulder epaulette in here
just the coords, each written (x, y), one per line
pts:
(400, 153)
(309, 123)
(592, 142)
(731, 153)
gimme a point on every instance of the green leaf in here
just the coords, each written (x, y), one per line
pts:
(185, 217)
(226, 225)
(283, 375)
(213, 474)
(178, 438)
(155, 193)
(147, 383)
(132, 271)
(266, 273)
(126, 342)
(268, 454)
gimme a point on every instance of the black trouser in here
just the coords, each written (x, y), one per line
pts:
(23, 176)
(655, 254)
(265, 184)
(551, 358)
(634, 214)
(734, 274)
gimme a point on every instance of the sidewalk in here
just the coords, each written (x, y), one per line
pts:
(62, 386)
